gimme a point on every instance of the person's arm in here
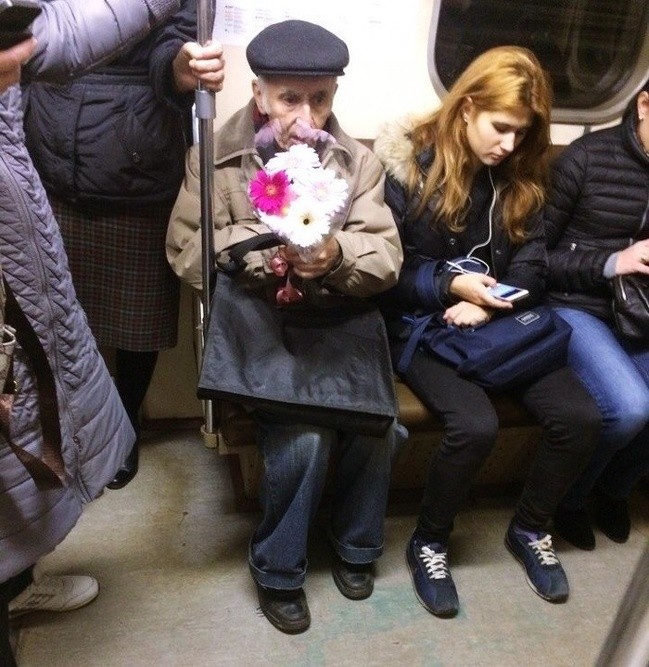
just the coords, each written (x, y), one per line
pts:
(371, 254)
(178, 63)
(12, 61)
(577, 267)
(73, 36)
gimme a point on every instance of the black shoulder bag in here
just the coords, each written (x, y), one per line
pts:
(327, 366)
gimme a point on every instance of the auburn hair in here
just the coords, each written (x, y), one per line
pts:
(502, 79)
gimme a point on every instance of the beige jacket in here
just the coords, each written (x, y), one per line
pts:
(371, 250)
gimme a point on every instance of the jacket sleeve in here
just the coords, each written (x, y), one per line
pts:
(423, 281)
(184, 237)
(75, 35)
(572, 266)
(169, 38)
(371, 249)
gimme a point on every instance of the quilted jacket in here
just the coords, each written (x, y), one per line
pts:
(72, 36)
(599, 204)
(119, 134)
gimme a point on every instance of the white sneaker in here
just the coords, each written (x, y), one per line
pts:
(55, 593)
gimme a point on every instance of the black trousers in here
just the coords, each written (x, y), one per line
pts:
(8, 590)
(569, 417)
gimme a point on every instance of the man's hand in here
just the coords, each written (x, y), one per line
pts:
(323, 261)
(12, 60)
(194, 63)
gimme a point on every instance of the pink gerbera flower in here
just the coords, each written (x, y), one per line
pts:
(270, 193)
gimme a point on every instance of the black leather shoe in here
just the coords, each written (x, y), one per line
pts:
(354, 581)
(125, 475)
(287, 610)
(574, 526)
(612, 517)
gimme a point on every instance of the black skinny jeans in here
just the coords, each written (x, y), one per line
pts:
(566, 411)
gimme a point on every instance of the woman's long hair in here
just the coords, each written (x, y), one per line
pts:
(505, 78)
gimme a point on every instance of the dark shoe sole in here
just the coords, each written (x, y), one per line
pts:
(283, 624)
(351, 593)
(439, 614)
(554, 600)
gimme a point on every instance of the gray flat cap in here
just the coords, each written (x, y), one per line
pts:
(297, 48)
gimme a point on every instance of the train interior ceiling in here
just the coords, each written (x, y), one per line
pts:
(170, 549)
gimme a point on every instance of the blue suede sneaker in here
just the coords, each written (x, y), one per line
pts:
(543, 570)
(431, 578)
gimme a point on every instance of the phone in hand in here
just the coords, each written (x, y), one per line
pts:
(16, 16)
(507, 292)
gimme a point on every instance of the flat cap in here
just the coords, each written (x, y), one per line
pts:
(297, 48)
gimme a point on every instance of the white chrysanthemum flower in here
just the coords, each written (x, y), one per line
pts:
(324, 186)
(305, 224)
(297, 158)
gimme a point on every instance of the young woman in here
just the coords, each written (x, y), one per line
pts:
(468, 181)
(597, 227)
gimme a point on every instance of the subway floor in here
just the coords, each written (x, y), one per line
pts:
(169, 551)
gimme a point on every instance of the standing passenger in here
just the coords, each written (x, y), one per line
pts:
(297, 64)
(110, 148)
(468, 181)
(96, 436)
(597, 227)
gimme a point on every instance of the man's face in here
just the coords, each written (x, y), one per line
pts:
(295, 100)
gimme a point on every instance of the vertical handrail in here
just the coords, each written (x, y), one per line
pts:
(205, 114)
(627, 643)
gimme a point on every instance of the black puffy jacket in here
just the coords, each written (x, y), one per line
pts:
(120, 134)
(599, 204)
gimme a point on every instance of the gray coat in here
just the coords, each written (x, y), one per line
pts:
(72, 36)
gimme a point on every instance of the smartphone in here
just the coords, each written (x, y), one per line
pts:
(507, 292)
(15, 18)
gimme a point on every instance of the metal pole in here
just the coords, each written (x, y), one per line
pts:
(206, 113)
(627, 643)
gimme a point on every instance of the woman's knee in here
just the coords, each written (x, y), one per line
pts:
(470, 431)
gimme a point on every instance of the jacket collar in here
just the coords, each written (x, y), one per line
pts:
(632, 141)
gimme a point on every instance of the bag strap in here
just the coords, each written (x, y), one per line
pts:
(419, 325)
(48, 472)
(239, 250)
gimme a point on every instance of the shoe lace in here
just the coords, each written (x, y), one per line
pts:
(544, 550)
(435, 563)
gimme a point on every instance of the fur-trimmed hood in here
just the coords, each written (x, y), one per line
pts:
(395, 149)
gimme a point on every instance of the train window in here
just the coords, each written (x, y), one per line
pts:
(597, 51)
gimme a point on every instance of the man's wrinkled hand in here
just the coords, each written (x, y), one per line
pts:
(319, 262)
(196, 64)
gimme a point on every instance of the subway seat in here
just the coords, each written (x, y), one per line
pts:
(506, 466)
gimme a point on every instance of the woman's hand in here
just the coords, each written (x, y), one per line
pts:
(634, 259)
(12, 60)
(465, 314)
(473, 288)
(195, 63)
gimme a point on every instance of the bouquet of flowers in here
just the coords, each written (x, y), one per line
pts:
(298, 200)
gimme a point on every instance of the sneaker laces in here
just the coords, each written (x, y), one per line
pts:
(435, 563)
(544, 550)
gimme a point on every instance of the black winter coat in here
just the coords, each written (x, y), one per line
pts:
(598, 205)
(428, 244)
(120, 134)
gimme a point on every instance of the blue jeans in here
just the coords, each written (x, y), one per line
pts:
(616, 373)
(296, 458)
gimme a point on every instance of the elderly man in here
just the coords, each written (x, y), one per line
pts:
(297, 65)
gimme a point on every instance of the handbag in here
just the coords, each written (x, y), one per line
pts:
(326, 366)
(631, 305)
(508, 351)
